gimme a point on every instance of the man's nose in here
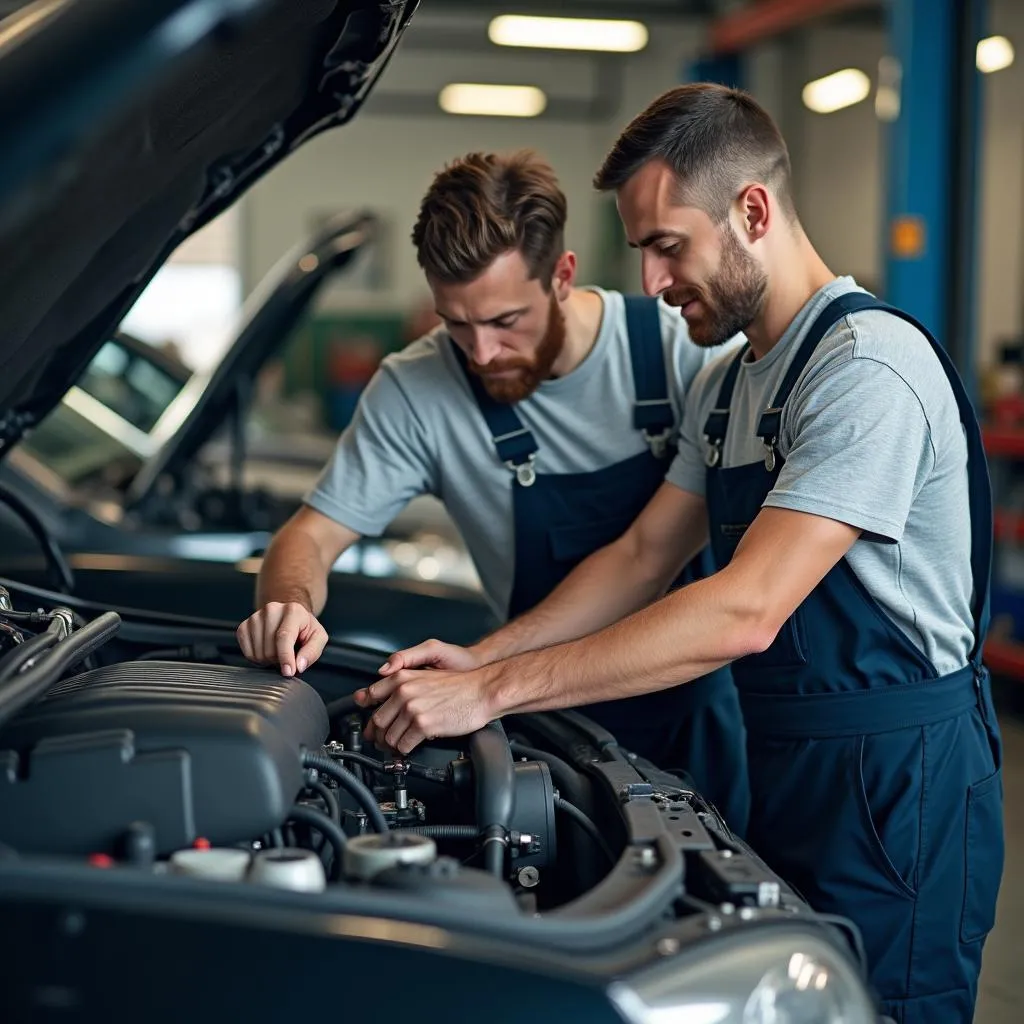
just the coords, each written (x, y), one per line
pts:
(654, 275)
(485, 346)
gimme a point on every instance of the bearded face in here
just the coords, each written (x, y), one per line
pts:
(728, 301)
(508, 324)
(513, 378)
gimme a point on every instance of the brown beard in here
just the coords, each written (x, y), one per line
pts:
(531, 371)
(731, 300)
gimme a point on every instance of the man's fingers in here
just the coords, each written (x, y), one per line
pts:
(311, 650)
(285, 637)
(244, 640)
(424, 655)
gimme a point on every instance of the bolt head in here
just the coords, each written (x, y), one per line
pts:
(667, 946)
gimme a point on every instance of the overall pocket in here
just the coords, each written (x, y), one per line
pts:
(984, 854)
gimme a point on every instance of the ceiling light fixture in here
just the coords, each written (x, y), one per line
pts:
(994, 54)
(568, 33)
(492, 100)
(833, 92)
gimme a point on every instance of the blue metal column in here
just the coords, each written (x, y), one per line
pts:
(931, 220)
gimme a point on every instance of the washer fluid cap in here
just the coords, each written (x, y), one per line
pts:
(367, 855)
(222, 864)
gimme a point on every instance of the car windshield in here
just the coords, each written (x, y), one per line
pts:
(99, 432)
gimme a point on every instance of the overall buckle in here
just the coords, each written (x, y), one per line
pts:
(658, 443)
(526, 474)
(713, 455)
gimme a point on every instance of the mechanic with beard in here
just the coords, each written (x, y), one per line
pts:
(838, 463)
(543, 416)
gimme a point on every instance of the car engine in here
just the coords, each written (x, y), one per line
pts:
(231, 772)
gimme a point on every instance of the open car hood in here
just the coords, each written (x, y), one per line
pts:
(126, 127)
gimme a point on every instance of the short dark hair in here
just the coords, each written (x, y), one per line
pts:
(486, 204)
(715, 139)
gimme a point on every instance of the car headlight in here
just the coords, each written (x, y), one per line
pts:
(771, 976)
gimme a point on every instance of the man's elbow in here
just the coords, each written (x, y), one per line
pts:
(755, 627)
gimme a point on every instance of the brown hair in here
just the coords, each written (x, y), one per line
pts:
(484, 205)
(714, 138)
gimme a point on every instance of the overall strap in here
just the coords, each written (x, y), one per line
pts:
(514, 443)
(652, 411)
(717, 424)
(980, 489)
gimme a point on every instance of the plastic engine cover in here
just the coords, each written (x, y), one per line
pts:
(194, 750)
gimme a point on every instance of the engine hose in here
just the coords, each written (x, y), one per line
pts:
(325, 794)
(441, 831)
(418, 771)
(31, 648)
(342, 706)
(586, 824)
(494, 774)
(35, 681)
(326, 827)
(348, 781)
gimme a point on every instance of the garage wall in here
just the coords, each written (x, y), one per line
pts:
(838, 162)
(387, 162)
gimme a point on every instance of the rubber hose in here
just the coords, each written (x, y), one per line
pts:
(494, 774)
(348, 781)
(417, 771)
(35, 681)
(442, 831)
(342, 706)
(31, 648)
(325, 794)
(586, 824)
(324, 825)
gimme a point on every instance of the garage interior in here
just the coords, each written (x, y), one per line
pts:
(907, 148)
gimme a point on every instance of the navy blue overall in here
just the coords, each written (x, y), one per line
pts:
(876, 784)
(562, 518)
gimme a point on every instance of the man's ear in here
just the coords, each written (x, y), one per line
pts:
(564, 277)
(756, 212)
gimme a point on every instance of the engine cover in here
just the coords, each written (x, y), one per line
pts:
(194, 750)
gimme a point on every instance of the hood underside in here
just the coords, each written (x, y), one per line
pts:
(126, 127)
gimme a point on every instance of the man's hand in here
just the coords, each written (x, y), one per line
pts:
(433, 654)
(424, 705)
(271, 635)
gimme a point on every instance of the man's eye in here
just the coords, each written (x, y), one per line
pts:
(505, 324)
(669, 250)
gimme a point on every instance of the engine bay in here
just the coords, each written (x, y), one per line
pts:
(132, 756)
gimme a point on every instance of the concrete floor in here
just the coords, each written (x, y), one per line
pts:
(1001, 996)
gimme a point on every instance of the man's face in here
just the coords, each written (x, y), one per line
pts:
(698, 266)
(510, 329)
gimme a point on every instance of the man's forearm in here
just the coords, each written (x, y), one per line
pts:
(611, 583)
(685, 635)
(293, 571)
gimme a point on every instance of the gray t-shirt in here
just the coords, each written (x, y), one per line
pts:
(417, 430)
(872, 438)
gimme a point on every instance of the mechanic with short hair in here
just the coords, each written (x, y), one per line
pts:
(838, 463)
(543, 415)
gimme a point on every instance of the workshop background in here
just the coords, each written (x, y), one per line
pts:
(907, 144)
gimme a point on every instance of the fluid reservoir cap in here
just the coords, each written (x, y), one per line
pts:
(223, 864)
(299, 870)
(369, 854)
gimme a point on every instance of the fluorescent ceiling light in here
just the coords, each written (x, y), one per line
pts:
(568, 33)
(835, 91)
(994, 54)
(493, 100)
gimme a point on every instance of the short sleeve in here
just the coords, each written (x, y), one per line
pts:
(382, 461)
(861, 449)
(688, 471)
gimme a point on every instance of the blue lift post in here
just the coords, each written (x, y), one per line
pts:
(930, 236)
